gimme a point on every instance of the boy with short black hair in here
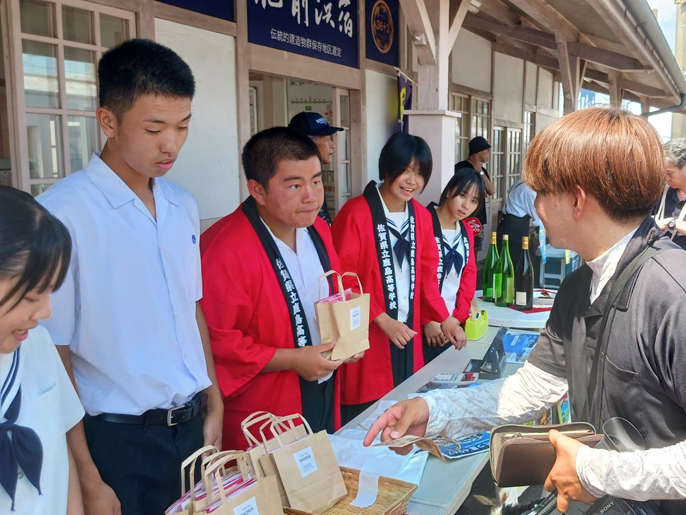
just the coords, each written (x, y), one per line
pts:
(262, 267)
(127, 321)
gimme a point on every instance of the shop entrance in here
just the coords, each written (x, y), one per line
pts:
(275, 100)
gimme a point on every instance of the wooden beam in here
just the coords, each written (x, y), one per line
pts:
(541, 60)
(570, 68)
(419, 23)
(497, 10)
(615, 90)
(547, 17)
(531, 36)
(542, 39)
(641, 89)
(456, 21)
(607, 58)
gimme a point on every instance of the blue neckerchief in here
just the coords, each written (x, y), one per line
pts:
(24, 449)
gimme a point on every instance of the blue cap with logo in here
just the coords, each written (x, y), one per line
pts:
(312, 124)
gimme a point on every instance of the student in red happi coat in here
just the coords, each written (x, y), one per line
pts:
(261, 270)
(386, 237)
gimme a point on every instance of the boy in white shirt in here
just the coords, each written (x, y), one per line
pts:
(127, 321)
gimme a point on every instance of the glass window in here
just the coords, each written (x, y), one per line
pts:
(37, 17)
(77, 25)
(80, 79)
(83, 140)
(498, 156)
(5, 153)
(44, 133)
(112, 30)
(37, 189)
(514, 157)
(41, 82)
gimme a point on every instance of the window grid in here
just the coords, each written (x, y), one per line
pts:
(56, 119)
(460, 105)
(498, 160)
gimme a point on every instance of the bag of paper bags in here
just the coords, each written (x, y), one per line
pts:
(259, 447)
(310, 477)
(232, 492)
(344, 318)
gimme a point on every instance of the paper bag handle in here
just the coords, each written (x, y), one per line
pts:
(341, 290)
(251, 420)
(289, 418)
(191, 461)
(215, 470)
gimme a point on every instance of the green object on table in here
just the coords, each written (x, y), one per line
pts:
(475, 327)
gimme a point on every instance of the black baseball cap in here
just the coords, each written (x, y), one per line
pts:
(312, 124)
(477, 145)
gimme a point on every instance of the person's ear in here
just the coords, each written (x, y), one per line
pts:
(258, 192)
(580, 202)
(108, 122)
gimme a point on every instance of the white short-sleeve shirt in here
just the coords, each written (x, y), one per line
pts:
(305, 269)
(49, 406)
(127, 309)
(402, 273)
(451, 283)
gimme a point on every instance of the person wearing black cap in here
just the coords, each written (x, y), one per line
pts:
(479, 154)
(317, 128)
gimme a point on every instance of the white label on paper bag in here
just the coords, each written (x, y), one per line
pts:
(355, 318)
(305, 461)
(249, 507)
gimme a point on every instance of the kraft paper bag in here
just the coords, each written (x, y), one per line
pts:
(309, 472)
(249, 496)
(344, 319)
(185, 504)
(258, 448)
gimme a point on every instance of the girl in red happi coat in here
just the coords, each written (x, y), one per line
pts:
(386, 237)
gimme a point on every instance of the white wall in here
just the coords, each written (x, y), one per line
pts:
(208, 165)
(531, 83)
(508, 86)
(545, 89)
(471, 61)
(382, 116)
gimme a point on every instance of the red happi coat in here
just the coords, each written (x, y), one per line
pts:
(354, 237)
(248, 319)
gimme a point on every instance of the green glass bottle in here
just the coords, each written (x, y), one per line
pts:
(504, 277)
(489, 268)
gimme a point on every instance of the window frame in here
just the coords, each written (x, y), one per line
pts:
(21, 111)
(462, 141)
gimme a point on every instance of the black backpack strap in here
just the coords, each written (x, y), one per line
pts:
(608, 316)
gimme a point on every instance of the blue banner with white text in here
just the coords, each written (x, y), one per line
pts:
(323, 29)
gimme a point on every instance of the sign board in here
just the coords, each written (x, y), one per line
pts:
(216, 8)
(383, 31)
(323, 29)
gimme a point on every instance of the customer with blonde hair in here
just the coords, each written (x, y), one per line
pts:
(597, 174)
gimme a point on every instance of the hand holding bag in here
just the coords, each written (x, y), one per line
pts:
(523, 455)
(345, 320)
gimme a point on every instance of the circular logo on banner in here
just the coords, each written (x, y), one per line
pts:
(474, 224)
(382, 26)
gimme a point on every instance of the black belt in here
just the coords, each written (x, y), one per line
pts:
(169, 417)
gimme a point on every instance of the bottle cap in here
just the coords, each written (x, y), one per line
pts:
(525, 242)
(506, 237)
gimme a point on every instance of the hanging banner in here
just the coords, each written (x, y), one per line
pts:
(382, 31)
(323, 29)
(216, 8)
(404, 103)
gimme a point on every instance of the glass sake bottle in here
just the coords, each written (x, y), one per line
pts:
(489, 269)
(524, 279)
(504, 276)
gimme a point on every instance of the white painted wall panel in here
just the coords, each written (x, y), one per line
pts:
(531, 83)
(508, 86)
(382, 116)
(471, 61)
(208, 165)
(545, 89)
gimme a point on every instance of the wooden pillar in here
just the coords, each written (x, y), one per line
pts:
(242, 85)
(571, 73)
(615, 91)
